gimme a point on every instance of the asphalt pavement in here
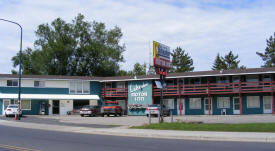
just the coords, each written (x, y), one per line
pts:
(53, 121)
(35, 140)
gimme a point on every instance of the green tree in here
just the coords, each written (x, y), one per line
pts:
(181, 61)
(123, 73)
(139, 69)
(79, 48)
(229, 61)
(219, 63)
(30, 62)
(269, 55)
(151, 71)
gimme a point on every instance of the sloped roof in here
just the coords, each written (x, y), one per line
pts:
(195, 74)
(148, 77)
(55, 77)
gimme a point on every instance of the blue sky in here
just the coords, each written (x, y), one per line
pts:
(202, 27)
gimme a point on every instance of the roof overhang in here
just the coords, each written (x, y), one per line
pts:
(49, 96)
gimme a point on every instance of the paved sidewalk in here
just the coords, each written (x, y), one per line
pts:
(168, 134)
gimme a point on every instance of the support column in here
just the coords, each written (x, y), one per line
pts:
(240, 102)
(180, 105)
(208, 97)
(209, 105)
(240, 97)
(272, 106)
(179, 92)
(152, 93)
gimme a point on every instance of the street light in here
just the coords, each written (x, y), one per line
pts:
(20, 64)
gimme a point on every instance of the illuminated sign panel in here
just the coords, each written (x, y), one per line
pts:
(161, 55)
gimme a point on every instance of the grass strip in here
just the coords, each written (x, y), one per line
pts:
(250, 127)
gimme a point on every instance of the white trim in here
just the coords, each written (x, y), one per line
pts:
(7, 78)
(267, 72)
(50, 96)
(235, 111)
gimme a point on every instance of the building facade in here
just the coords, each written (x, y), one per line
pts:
(249, 91)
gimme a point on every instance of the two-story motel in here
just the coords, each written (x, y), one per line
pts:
(249, 91)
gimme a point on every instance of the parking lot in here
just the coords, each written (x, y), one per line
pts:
(125, 121)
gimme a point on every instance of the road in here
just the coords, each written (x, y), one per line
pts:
(34, 140)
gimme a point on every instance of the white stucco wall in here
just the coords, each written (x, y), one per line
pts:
(57, 84)
(93, 102)
(27, 83)
(65, 106)
(3, 82)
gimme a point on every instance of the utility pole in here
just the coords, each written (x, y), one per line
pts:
(161, 99)
(20, 64)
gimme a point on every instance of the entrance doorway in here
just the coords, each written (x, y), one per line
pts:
(123, 105)
(55, 106)
(5, 105)
(206, 106)
(181, 106)
(267, 100)
(236, 105)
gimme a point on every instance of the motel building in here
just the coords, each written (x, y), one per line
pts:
(230, 92)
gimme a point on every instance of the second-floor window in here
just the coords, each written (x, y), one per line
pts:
(39, 84)
(79, 87)
(12, 83)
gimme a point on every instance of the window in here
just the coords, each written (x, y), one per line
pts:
(195, 81)
(252, 78)
(121, 85)
(39, 84)
(12, 83)
(25, 104)
(222, 80)
(266, 78)
(253, 102)
(195, 103)
(223, 102)
(79, 87)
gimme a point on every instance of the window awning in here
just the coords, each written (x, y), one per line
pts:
(50, 96)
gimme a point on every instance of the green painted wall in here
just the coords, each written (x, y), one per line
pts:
(1, 106)
(139, 92)
(35, 108)
(95, 89)
(29, 90)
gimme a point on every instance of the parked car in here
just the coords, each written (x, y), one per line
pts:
(12, 109)
(111, 108)
(154, 109)
(91, 110)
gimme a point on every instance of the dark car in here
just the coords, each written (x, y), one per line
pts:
(90, 110)
(111, 108)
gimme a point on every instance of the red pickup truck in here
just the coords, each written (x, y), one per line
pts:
(111, 108)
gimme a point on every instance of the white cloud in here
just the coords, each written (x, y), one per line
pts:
(204, 28)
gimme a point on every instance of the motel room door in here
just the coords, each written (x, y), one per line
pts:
(182, 107)
(123, 105)
(206, 106)
(267, 100)
(236, 105)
